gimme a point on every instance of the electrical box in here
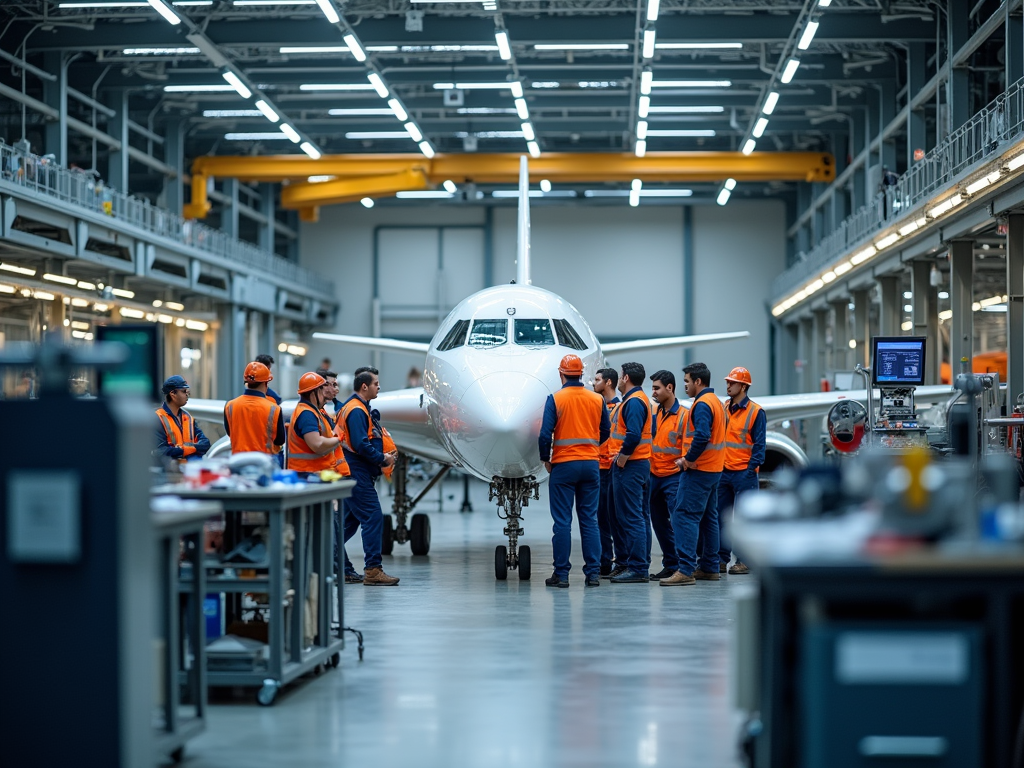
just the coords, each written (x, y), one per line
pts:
(454, 97)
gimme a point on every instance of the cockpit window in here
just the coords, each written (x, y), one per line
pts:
(534, 333)
(567, 335)
(455, 338)
(488, 333)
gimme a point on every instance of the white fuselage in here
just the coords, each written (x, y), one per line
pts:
(485, 396)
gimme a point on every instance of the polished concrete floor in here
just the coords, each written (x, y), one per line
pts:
(463, 671)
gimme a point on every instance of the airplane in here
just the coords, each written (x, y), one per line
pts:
(487, 374)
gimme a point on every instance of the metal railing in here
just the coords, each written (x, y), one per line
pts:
(45, 177)
(981, 138)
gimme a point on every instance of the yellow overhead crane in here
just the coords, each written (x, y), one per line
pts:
(353, 177)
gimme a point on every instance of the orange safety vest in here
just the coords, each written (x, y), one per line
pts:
(300, 457)
(184, 438)
(713, 457)
(643, 450)
(738, 442)
(373, 429)
(577, 434)
(252, 422)
(668, 442)
(606, 451)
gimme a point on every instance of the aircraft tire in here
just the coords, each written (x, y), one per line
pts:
(420, 534)
(501, 563)
(387, 538)
(524, 563)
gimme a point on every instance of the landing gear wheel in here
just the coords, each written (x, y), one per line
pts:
(501, 563)
(387, 539)
(335, 660)
(524, 563)
(266, 695)
(420, 538)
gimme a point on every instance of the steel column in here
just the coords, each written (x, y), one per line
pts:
(229, 214)
(174, 156)
(841, 335)
(1015, 310)
(806, 333)
(55, 94)
(890, 309)
(917, 76)
(231, 357)
(1013, 59)
(266, 233)
(958, 89)
(926, 316)
(117, 169)
(862, 327)
(961, 295)
(820, 359)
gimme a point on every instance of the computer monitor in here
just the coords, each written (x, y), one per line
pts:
(140, 373)
(898, 361)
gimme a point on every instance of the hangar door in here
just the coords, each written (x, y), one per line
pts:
(421, 274)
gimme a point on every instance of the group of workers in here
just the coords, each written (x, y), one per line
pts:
(351, 443)
(635, 474)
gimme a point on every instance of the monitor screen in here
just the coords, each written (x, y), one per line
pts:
(139, 374)
(897, 361)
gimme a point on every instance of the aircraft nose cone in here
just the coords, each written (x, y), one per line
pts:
(503, 415)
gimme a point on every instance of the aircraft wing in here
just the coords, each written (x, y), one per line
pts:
(669, 341)
(373, 342)
(406, 419)
(207, 410)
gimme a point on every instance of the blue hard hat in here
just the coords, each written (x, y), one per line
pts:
(173, 383)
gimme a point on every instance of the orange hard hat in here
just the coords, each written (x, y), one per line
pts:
(257, 373)
(310, 381)
(740, 376)
(571, 365)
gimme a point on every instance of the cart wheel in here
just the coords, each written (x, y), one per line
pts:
(387, 540)
(266, 695)
(524, 563)
(335, 660)
(501, 563)
(179, 754)
(420, 534)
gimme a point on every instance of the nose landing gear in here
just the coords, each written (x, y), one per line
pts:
(512, 494)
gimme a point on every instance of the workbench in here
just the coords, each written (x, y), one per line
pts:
(309, 509)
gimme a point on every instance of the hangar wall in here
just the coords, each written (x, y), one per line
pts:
(623, 268)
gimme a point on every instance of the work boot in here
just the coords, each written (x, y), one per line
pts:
(700, 575)
(678, 579)
(664, 573)
(593, 581)
(723, 567)
(630, 577)
(351, 577)
(375, 577)
(739, 569)
(557, 581)
(616, 571)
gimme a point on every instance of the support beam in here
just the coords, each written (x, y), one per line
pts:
(958, 89)
(862, 327)
(890, 309)
(1015, 308)
(806, 352)
(1013, 59)
(926, 316)
(917, 76)
(820, 359)
(174, 156)
(311, 195)
(229, 213)
(961, 296)
(55, 94)
(266, 233)
(117, 169)
(841, 334)
(231, 357)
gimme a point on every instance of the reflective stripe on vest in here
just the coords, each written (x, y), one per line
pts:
(185, 437)
(611, 446)
(738, 443)
(372, 430)
(713, 457)
(299, 457)
(643, 450)
(252, 422)
(668, 444)
(577, 433)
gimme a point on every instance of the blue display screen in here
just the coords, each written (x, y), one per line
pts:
(899, 361)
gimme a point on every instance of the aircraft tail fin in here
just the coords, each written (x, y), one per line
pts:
(523, 246)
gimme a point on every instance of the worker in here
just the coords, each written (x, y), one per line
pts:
(668, 426)
(574, 427)
(253, 420)
(178, 435)
(268, 361)
(745, 431)
(605, 382)
(363, 443)
(631, 473)
(311, 441)
(331, 405)
(696, 510)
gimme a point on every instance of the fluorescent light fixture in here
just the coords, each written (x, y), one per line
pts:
(681, 132)
(255, 136)
(367, 202)
(86, 286)
(165, 319)
(946, 206)
(197, 88)
(414, 131)
(273, 2)
(291, 133)
(824, 3)
(354, 47)
(791, 67)
(534, 148)
(398, 109)
(646, 78)
(485, 111)
(378, 84)
(913, 226)
(946, 314)
(807, 36)
(17, 270)
(426, 149)
(320, 179)
(943, 294)
(908, 307)
(313, 49)
(759, 126)
(336, 87)
(861, 256)
(7, 288)
(545, 185)
(636, 184)
(165, 10)
(513, 193)
(231, 113)
(236, 82)
(686, 110)
(723, 197)
(360, 135)
(447, 48)
(449, 186)
(504, 49)
(828, 277)
(310, 150)
(842, 269)
(196, 325)
(479, 87)
(699, 46)
(886, 241)
(730, 184)
(268, 111)
(666, 192)
(357, 111)
(175, 306)
(749, 146)
(817, 285)
(60, 279)
(691, 84)
(770, 102)
(644, 107)
(528, 131)
(522, 110)
(1015, 163)
(582, 46)
(634, 197)
(329, 11)
(123, 293)
(641, 129)
(648, 49)
(908, 294)
(424, 194)
(155, 51)
(641, 148)
(907, 325)
(136, 314)
(489, 134)
(517, 89)
(984, 181)
(79, 325)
